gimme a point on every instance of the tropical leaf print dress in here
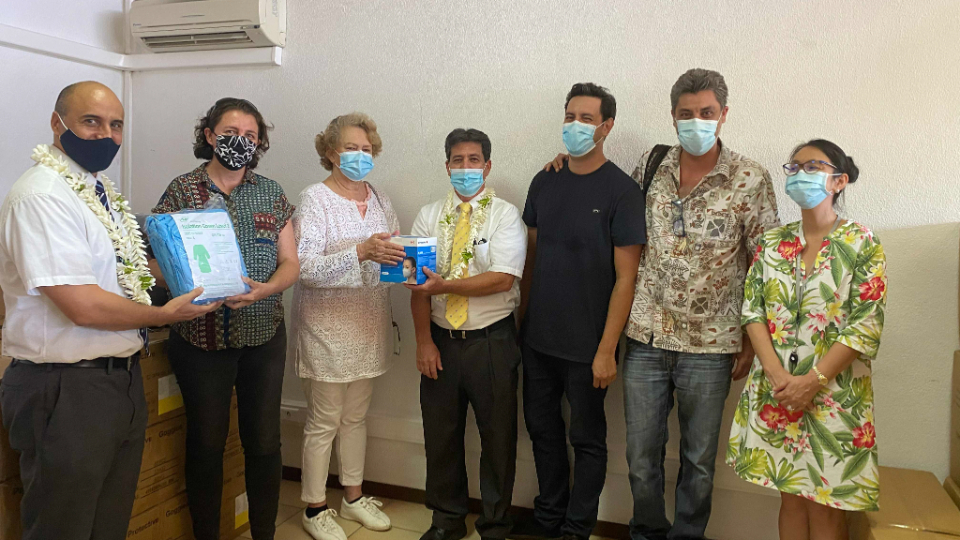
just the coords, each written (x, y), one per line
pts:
(827, 454)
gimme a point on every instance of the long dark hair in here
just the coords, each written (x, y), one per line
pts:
(837, 156)
(203, 150)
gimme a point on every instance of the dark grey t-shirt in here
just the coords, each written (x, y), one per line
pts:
(579, 220)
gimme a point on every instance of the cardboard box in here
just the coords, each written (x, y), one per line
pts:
(9, 459)
(234, 509)
(10, 494)
(164, 400)
(955, 420)
(164, 443)
(953, 490)
(912, 506)
(175, 523)
(162, 470)
(146, 526)
(421, 251)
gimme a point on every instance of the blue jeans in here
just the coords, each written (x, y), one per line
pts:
(701, 382)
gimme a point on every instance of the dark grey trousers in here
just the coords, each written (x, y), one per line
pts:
(483, 373)
(80, 434)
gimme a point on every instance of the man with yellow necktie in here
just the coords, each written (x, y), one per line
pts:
(467, 348)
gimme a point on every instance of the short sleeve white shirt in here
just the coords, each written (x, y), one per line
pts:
(49, 237)
(502, 247)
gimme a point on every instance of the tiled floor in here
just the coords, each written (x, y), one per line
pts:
(409, 520)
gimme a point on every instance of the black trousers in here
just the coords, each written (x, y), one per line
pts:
(546, 379)
(207, 379)
(482, 372)
(80, 434)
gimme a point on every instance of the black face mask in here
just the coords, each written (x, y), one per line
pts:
(94, 155)
(234, 151)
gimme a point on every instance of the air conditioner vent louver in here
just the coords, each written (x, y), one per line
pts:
(195, 40)
(183, 25)
(199, 25)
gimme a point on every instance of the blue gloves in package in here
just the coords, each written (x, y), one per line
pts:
(198, 248)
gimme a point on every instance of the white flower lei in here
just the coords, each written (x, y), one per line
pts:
(448, 226)
(132, 270)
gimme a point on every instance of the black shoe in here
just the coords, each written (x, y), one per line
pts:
(445, 534)
(528, 528)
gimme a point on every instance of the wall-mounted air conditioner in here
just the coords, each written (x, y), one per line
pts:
(198, 25)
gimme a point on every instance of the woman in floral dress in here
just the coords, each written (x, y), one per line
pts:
(804, 424)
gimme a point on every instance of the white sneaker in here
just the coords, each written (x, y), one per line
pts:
(323, 526)
(366, 511)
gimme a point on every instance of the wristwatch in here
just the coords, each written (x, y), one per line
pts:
(820, 378)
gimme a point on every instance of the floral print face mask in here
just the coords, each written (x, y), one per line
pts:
(234, 151)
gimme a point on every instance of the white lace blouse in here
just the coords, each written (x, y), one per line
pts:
(341, 311)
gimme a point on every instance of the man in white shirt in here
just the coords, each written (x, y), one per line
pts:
(72, 398)
(467, 340)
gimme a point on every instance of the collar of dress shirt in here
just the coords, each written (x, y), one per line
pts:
(74, 166)
(474, 201)
(672, 162)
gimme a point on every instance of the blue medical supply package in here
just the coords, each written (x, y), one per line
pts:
(421, 251)
(198, 248)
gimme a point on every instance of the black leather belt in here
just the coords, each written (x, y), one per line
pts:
(107, 363)
(473, 334)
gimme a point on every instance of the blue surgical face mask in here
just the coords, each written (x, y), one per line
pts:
(808, 189)
(94, 155)
(466, 182)
(578, 138)
(356, 165)
(697, 136)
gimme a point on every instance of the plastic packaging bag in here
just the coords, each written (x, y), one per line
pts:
(199, 248)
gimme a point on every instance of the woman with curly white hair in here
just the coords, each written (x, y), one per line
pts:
(342, 325)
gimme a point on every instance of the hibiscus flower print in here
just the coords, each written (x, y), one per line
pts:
(790, 250)
(873, 290)
(777, 418)
(865, 436)
(756, 254)
(774, 417)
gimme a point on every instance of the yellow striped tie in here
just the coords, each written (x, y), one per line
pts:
(457, 305)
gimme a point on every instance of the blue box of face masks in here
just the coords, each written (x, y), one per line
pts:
(421, 251)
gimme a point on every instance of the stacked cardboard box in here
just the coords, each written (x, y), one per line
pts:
(952, 483)
(160, 505)
(913, 506)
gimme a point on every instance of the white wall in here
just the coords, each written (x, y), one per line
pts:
(875, 77)
(30, 82)
(98, 23)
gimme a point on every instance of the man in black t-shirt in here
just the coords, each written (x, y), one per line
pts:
(586, 227)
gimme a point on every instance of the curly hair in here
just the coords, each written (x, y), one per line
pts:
(330, 138)
(203, 150)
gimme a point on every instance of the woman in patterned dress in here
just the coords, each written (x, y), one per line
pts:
(242, 344)
(342, 335)
(804, 424)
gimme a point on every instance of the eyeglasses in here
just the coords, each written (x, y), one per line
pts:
(678, 227)
(812, 166)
